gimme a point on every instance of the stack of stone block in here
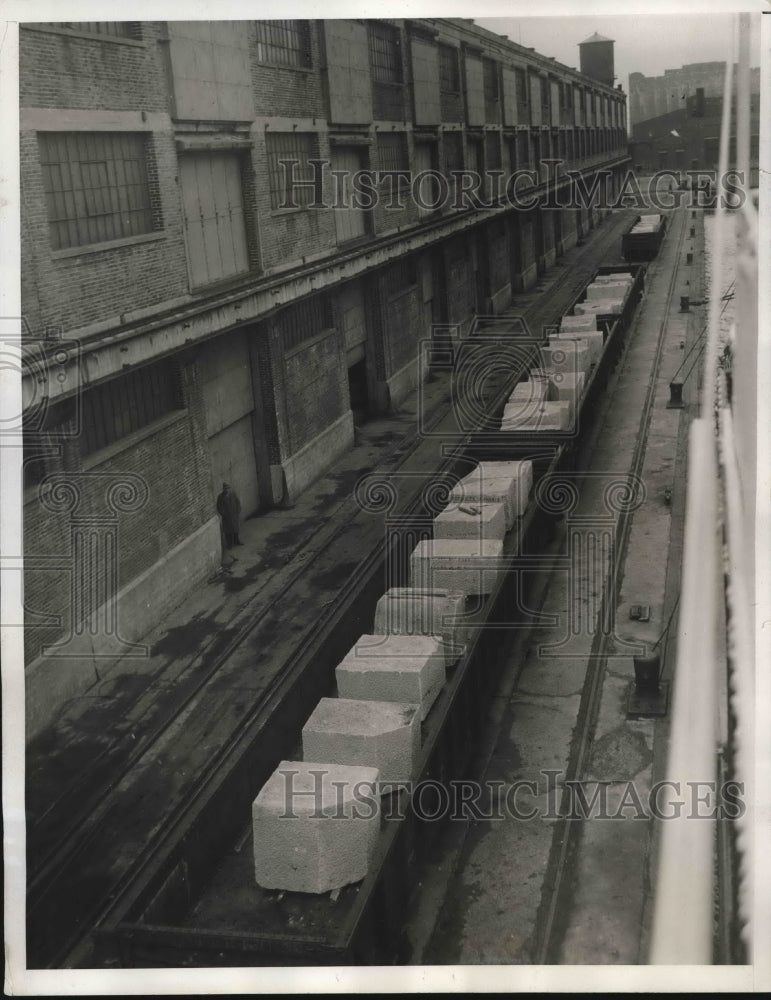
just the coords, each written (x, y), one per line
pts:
(316, 822)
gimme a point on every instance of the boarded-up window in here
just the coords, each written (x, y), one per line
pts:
(555, 102)
(285, 43)
(96, 186)
(425, 82)
(449, 72)
(211, 70)
(126, 404)
(212, 202)
(350, 217)
(475, 98)
(293, 181)
(510, 105)
(535, 99)
(491, 90)
(348, 71)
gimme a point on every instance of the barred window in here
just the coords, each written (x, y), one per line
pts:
(96, 186)
(453, 152)
(385, 54)
(492, 151)
(118, 408)
(117, 29)
(292, 178)
(392, 151)
(304, 320)
(401, 276)
(449, 71)
(521, 80)
(490, 80)
(287, 43)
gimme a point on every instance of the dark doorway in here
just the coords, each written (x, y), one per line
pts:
(357, 388)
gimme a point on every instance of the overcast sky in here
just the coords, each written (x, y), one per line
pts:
(647, 44)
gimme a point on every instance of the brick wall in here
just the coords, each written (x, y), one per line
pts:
(76, 290)
(404, 327)
(498, 257)
(174, 464)
(286, 236)
(283, 92)
(461, 293)
(316, 388)
(57, 70)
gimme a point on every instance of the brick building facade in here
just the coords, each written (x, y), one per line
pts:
(195, 314)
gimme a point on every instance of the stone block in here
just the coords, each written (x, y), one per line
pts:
(414, 611)
(409, 669)
(599, 307)
(567, 356)
(593, 340)
(381, 734)
(315, 832)
(468, 565)
(550, 416)
(606, 290)
(568, 386)
(476, 520)
(497, 482)
(624, 276)
(578, 323)
(527, 391)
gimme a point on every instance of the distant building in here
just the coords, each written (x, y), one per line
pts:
(652, 96)
(688, 138)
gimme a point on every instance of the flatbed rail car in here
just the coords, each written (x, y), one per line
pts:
(487, 444)
(196, 902)
(642, 246)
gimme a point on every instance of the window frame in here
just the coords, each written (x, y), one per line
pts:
(80, 203)
(304, 50)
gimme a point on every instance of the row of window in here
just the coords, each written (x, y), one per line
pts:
(98, 187)
(287, 43)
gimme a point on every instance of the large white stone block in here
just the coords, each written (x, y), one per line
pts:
(416, 611)
(606, 290)
(623, 276)
(528, 391)
(315, 832)
(550, 416)
(474, 520)
(468, 565)
(578, 323)
(568, 386)
(497, 482)
(409, 669)
(601, 307)
(567, 356)
(592, 340)
(381, 734)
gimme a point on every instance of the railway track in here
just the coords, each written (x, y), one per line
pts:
(568, 832)
(92, 844)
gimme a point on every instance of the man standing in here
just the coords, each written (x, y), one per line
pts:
(229, 509)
